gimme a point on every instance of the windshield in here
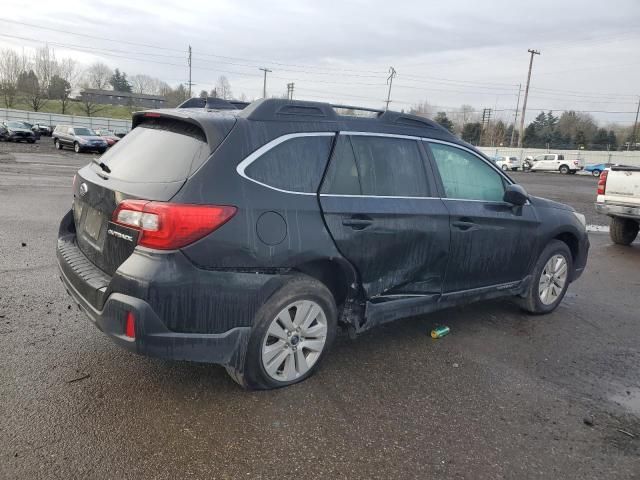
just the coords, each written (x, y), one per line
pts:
(155, 153)
(83, 132)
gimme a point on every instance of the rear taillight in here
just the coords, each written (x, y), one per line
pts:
(167, 226)
(602, 182)
(130, 325)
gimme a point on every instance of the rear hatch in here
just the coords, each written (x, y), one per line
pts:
(152, 162)
(623, 185)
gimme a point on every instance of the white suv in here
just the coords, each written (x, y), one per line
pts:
(509, 163)
(553, 162)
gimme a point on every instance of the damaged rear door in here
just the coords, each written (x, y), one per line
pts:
(379, 203)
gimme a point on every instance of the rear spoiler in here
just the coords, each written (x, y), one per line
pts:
(213, 103)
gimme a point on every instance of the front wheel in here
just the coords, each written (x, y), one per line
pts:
(596, 173)
(291, 333)
(550, 279)
(57, 144)
(564, 169)
(76, 147)
(623, 231)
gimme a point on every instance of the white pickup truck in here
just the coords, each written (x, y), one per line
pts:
(619, 197)
(553, 162)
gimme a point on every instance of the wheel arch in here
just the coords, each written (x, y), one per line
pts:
(337, 274)
(571, 241)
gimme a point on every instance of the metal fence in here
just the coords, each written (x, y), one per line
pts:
(589, 156)
(54, 119)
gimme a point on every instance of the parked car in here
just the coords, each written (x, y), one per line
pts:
(44, 130)
(15, 131)
(553, 162)
(81, 139)
(619, 197)
(109, 136)
(244, 238)
(597, 169)
(507, 163)
(27, 125)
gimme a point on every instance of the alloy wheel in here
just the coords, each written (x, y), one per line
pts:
(553, 279)
(294, 341)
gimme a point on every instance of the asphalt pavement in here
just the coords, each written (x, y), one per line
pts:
(504, 395)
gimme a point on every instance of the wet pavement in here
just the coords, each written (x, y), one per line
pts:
(504, 395)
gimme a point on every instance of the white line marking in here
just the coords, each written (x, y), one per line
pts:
(598, 228)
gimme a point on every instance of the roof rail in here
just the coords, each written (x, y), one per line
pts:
(274, 109)
(213, 103)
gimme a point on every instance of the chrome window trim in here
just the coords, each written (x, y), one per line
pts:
(377, 196)
(244, 164)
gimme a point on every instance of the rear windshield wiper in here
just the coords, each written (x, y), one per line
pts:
(102, 165)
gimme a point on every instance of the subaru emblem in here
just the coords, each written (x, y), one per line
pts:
(83, 189)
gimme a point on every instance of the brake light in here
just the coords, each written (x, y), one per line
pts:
(167, 226)
(130, 325)
(602, 182)
(152, 115)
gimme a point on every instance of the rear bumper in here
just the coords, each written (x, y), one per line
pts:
(626, 211)
(153, 338)
(181, 312)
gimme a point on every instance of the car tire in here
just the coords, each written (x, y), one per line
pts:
(274, 361)
(505, 168)
(102, 150)
(596, 173)
(623, 231)
(76, 147)
(548, 285)
(57, 144)
(564, 169)
(31, 141)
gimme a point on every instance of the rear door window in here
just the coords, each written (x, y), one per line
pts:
(390, 166)
(295, 165)
(158, 153)
(342, 175)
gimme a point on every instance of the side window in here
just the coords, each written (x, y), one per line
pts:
(296, 164)
(560, 157)
(389, 166)
(342, 175)
(549, 157)
(466, 176)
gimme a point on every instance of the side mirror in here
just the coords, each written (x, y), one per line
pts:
(515, 195)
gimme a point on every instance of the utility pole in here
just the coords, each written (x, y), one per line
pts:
(392, 73)
(264, 86)
(290, 90)
(635, 128)
(486, 119)
(515, 119)
(526, 94)
(190, 71)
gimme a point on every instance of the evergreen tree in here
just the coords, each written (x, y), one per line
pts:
(119, 82)
(442, 119)
(471, 132)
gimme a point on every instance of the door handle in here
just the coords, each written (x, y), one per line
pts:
(357, 223)
(464, 225)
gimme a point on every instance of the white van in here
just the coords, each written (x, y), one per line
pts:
(553, 162)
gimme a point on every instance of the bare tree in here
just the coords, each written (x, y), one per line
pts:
(97, 76)
(143, 84)
(424, 109)
(223, 88)
(29, 85)
(89, 107)
(12, 64)
(45, 66)
(68, 70)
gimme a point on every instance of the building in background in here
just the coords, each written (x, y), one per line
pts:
(112, 97)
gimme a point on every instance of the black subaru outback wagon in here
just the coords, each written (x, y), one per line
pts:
(246, 237)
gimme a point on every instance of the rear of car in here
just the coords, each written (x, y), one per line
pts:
(619, 198)
(18, 132)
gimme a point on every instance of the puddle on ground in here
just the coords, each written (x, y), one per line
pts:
(629, 399)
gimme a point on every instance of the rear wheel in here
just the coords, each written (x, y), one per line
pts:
(564, 169)
(76, 147)
(623, 231)
(57, 143)
(550, 279)
(596, 172)
(292, 332)
(505, 168)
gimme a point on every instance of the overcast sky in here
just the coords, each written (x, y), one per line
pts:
(447, 53)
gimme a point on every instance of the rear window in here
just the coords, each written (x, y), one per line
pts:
(157, 153)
